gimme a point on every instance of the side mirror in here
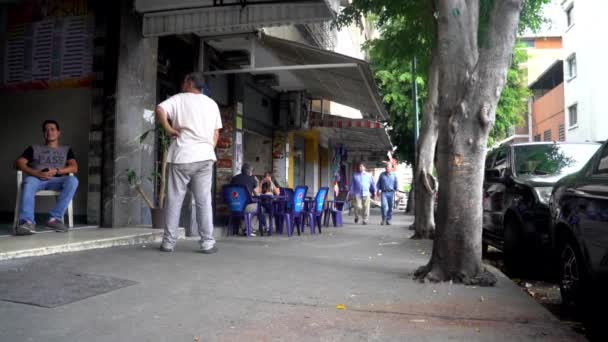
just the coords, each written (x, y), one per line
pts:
(493, 174)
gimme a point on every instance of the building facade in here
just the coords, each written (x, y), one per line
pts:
(547, 108)
(266, 63)
(584, 71)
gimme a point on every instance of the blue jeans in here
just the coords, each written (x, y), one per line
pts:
(66, 185)
(388, 201)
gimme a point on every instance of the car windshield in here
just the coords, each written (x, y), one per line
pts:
(551, 159)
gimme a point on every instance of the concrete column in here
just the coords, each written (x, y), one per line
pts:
(279, 157)
(312, 162)
(135, 93)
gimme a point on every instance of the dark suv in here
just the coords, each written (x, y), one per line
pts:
(517, 186)
(579, 209)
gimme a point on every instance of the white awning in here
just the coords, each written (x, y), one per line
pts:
(209, 17)
(323, 74)
(361, 135)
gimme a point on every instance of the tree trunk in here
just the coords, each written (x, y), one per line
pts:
(426, 183)
(411, 205)
(471, 79)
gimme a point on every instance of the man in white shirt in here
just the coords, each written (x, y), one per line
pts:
(195, 124)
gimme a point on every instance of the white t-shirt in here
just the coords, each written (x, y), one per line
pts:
(197, 117)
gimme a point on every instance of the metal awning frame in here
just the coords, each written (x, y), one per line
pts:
(255, 70)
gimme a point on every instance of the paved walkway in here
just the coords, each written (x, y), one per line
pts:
(348, 284)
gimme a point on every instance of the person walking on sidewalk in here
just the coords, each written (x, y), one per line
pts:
(361, 189)
(47, 167)
(195, 125)
(387, 185)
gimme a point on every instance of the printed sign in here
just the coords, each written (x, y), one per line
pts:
(49, 44)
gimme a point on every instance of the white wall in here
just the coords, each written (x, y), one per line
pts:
(586, 37)
(23, 114)
(257, 152)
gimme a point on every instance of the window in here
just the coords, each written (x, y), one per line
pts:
(537, 137)
(489, 160)
(551, 159)
(547, 135)
(572, 115)
(571, 66)
(569, 15)
(602, 166)
(501, 160)
(562, 132)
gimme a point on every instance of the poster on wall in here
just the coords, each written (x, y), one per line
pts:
(280, 165)
(48, 44)
(238, 153)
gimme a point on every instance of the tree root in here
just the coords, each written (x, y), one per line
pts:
(435, 275)
(483, 278)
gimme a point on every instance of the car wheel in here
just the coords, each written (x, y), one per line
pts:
(572, 274)
(514, 253)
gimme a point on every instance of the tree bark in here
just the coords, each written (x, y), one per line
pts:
(471, 79)
(411, 198)
(426, 183)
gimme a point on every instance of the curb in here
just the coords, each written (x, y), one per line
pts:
(126, 240)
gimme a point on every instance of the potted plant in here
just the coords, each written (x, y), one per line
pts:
(158, 177)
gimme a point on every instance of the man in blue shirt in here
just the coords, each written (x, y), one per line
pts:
(361, 189)
(387, 185)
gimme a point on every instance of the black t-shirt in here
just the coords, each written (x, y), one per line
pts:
(40, 157)
(29, 154)
(246, 180)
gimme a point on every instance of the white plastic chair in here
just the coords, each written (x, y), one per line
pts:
(39, 193)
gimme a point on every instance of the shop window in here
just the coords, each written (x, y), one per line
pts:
(571, 66)
(570, 16)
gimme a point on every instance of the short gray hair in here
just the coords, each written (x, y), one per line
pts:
(198, 79)
(246, 169)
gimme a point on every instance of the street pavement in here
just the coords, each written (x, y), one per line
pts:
(348, 284)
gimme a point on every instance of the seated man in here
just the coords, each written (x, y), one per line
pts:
(46, 167)
(247, 179)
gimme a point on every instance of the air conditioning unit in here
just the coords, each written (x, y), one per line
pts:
(298, 110)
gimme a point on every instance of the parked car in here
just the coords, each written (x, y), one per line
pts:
(518, 182)
(579, 211)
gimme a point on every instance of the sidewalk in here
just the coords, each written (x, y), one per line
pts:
(348, 284)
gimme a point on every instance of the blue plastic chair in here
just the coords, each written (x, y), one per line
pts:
(315, 211)
(237, 197)
(284, 206)
(293, 214)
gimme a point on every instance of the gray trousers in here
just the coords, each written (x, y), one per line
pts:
(362, 205)
(199, 176)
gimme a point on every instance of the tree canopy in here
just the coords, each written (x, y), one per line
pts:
(406, 31)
